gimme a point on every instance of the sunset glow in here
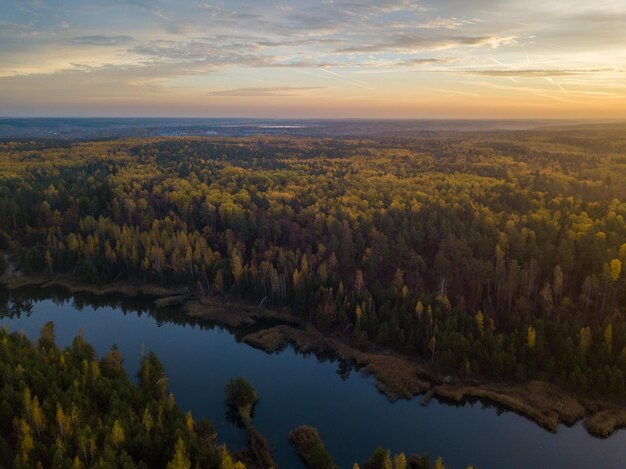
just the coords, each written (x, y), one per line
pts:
(324, 58)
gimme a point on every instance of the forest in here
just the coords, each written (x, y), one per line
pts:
(490, 255)
(68, 409)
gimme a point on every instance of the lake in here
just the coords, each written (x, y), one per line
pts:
(352, 417)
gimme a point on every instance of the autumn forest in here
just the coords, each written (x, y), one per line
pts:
(490, 255)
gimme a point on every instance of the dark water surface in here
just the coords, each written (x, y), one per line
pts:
(351, 416)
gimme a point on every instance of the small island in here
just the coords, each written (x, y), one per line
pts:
(241, 397)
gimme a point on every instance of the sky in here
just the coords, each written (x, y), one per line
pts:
(314, 58)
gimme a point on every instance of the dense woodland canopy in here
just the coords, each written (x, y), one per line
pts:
(68, 409)
(492, 255)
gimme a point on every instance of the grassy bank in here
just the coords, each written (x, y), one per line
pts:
(541, 402)
(604, 422)
(399, 377)
(71, 284)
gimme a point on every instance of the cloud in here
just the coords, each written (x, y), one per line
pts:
(175, 27)
(17, 30)
(417, 42)
(212, 53)
(317, 42)
(536, 73)
(99, 40)
(378, 7)
(86, 84)
(444, 23)
(265, 91)
(427, 61)
(138, 3)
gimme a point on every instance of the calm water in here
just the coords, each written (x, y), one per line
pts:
(351, 416)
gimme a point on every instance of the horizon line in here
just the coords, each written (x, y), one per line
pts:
(405, 119)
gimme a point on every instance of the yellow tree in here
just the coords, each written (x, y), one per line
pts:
(358, 312)
(584, 339)
(37, 416)
(616, 269)
(117, 434)
(63, 421)
(236, 264)
(181, 457)
(419, 309)
(189, 422)
(531, 337)
(226, 461)
(480, 321)
(622, 252)
(399, 461)
(95, 372)
(147, 420)
(27, 443)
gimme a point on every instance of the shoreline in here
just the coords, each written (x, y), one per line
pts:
(396, 376)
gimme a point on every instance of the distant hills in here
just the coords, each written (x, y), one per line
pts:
(96, 128)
